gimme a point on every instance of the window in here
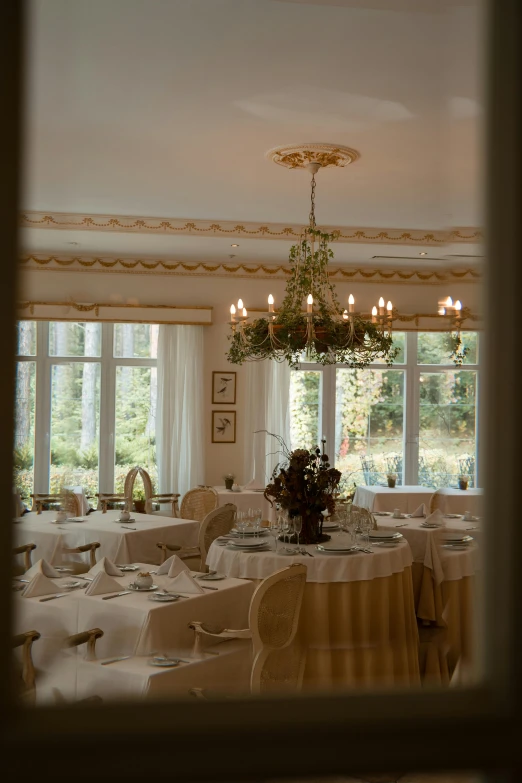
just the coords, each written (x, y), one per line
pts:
(416, 419)
(86, 396)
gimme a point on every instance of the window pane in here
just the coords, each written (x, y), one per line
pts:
(136, 394)
(24, 428)
(68, 339)
(26, 338)
(305, 408)
(435, 347)
(399, 341)
(75, 425)
(447, 443)
(136, 341)
(369, 424)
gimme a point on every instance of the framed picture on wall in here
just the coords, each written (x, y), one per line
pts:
(223, 426)
(223, 388)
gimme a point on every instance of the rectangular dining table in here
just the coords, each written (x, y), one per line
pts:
(121, 542)
(406, 498)
(245, 499)
(132, 624)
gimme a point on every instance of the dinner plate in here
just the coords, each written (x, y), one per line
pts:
(249, 532)
(452, 516)
(166, 662)
(458, 538)
(165, 599)
(63, 569)
(430, 527)
(132, 586)
(264, 548)
(247, 543)
(128, 567)
(71, 585)
(335, 547)
(384, 534)
(456, 546)
(124, 521)
(382, 513)
(390, 544)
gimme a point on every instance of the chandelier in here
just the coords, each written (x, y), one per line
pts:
(325, 332)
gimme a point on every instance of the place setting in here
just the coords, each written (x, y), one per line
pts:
(456, 541)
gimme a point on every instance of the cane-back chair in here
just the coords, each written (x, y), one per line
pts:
(24, 550)
(217, 523)
(436, 501)
(27, 674)
(198, 502)
(272, 626)
(79, 567)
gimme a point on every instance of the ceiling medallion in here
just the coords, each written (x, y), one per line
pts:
(325, 332)
(299, 156)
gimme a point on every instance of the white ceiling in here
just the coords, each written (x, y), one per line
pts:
(167, 107)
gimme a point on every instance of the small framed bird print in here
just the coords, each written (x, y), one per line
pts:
(224, 388)
(223, 426)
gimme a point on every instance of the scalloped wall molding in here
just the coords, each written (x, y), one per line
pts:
(229, 228)
(262, 271)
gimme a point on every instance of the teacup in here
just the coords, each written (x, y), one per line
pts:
(467, 516)
(396, 513)
(61, 516)
(124, 516)
(143, 580)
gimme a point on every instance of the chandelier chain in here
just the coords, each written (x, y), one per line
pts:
(311, 217)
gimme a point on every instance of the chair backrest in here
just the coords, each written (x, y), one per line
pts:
(436, 501)
(25, 550)
(71, 503)
(198, 502)
(217, 523)
(28, 675)
(273, 620)
(130, 479)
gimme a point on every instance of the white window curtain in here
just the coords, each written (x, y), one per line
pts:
(267, 395)
(180, 414)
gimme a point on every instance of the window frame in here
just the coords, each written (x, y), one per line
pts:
(43, 394)
(411, 402)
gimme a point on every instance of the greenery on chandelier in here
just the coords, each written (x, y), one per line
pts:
(331, 339)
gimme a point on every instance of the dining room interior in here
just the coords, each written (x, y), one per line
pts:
(250, 341)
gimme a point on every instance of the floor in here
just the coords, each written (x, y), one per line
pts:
(410, 777)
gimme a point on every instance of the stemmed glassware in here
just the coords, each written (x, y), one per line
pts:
(366, 524)
(298, 526)
(286, 525)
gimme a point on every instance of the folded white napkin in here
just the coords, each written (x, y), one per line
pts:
(103, 583)
(254, 484)
(185, 583)
(172, 567)
(40, 585)
(43, 567)
(436, 518)
(420, 512)
(107, 566)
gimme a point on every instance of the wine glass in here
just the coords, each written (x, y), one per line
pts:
(256, 519)
(366, 524)
(286, 526)
(240, 522)
(298, 526)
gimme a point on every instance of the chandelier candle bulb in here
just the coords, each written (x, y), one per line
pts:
(239, 304)
(309, 303)
(442, 311)
(244, 312)
(351, 304)
(233, 313)
(374, 315)
(381, 306)
(270, 303)
(345, 315)
(449, 302)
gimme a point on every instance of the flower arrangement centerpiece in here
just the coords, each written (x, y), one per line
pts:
(305, 486)
(229, 479)
(463, 481)
(392, 479)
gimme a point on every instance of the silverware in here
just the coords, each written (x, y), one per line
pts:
(468, 528)
(87, 578)
(209, 588)
(116, 595)
(403, 524)
(52, 597)
(114, 660)
(17, 579)
(129, 528)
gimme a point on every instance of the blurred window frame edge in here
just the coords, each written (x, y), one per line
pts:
(335, 734)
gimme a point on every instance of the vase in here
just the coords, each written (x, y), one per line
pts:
(391, 483)
(463, 484)
(229, 483)
(311, 531)
(139, 506)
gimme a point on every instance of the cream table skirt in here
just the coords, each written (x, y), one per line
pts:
(407, 498)
(118, 543)
(458, 501)
(357, 624)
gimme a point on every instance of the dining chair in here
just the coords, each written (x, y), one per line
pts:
(42, 502)
(79, 567)
(27, 673)
(198, 502)
(362, 514)
(217, 523)
(85, 637)
(436, 501)
(24, 550)
(273, 619)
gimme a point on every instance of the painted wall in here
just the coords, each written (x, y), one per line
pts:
(51, 286)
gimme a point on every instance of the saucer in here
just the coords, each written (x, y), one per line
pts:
(127, 567)
(164, 598)
(124, 521)
(164, 661)
(137, 589)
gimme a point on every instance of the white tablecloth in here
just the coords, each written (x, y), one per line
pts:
(118, 543)
(385, 499)
(458, 501)
(426, 547)
(321, 568)
(244, 500)
(132, 624)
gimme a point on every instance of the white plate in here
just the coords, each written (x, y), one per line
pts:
(335, 547)
(264, 548)
(456, 546)
(141, 589)
(430, 527)
(249, 532)
(124, 521)
(389, 544)
(248, 543)
(128, 567)
(383, 534)
(164, 662)
(72, 585)
(459, 538)
(164, 599)
(212, 577)
(452, 516)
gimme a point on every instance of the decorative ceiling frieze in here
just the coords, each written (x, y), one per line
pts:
(252, 230)
(231, 270)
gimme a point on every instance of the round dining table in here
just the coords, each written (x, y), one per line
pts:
(357, 625)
